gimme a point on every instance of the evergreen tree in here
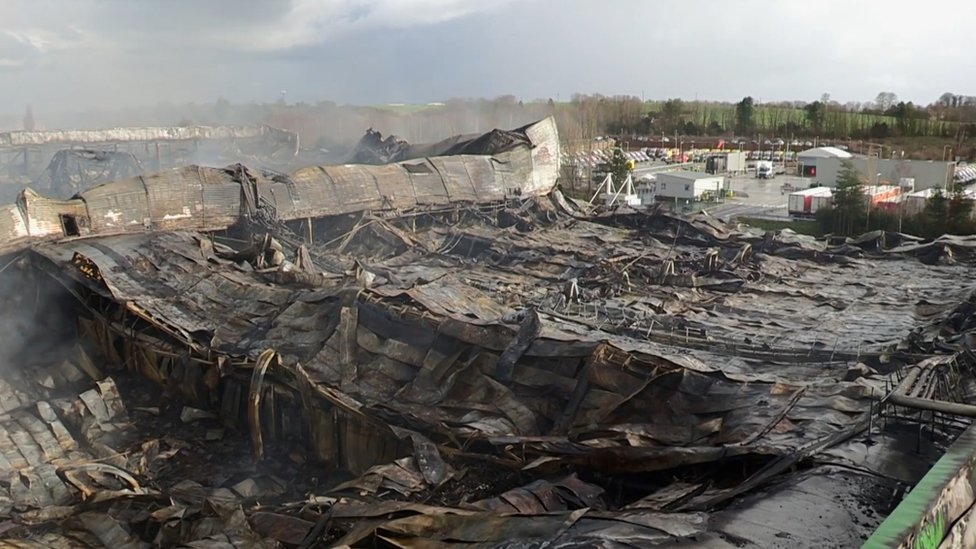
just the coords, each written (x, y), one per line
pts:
(849, 204)
(616, 166)
(745, 112)
(959, 210)
(934, 216)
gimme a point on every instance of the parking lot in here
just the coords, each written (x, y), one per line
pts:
(752, 197)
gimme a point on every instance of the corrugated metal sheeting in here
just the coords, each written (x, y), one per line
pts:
(46, 214)
(181, 133)
(205, 199)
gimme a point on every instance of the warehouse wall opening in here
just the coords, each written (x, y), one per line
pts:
(69, 225)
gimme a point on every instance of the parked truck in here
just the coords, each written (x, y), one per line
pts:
(764, 169)
(807, 202)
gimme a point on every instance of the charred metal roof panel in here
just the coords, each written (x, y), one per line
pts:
(483, 176)
(355, 189)
(221, 199)
(45, 214)
(544, 136)
(513, 171)
(395, 186)
(457, 180)
(118, 206)
(427, 183)
(314, 193)
(281, 195)
(13, 227)
(175, 198)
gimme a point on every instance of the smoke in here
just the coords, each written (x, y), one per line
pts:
(36, 316)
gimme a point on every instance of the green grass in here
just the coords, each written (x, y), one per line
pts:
(811, 228)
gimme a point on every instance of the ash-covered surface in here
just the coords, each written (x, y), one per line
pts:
(493, 376)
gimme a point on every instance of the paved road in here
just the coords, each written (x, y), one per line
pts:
(732, 210)
(753, 198)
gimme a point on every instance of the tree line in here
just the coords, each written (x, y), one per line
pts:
(581, 118)
(885, 117)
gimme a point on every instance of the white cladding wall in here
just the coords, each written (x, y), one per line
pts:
(927, 174)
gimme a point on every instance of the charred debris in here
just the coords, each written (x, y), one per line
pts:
(514, 372)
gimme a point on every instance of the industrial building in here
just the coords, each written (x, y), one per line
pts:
(689, 185)
(809, 162)
(822, 166)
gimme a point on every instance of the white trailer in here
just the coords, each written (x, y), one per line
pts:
(808, 202)
(735, 162)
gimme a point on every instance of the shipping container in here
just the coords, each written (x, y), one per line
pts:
(807, 202)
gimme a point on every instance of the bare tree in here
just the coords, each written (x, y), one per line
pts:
(885, 100)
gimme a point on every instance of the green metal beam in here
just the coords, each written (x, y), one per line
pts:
(920, 520)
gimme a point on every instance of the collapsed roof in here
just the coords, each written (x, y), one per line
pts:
(26, 155)
(74, 170)
(208, 199)
(372, 148)
(479, 369)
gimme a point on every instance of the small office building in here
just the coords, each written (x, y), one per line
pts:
(689, 185)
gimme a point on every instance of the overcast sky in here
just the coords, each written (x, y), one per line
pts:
(66, 54)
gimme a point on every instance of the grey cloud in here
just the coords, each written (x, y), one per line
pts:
(14, 53)
(123, 52)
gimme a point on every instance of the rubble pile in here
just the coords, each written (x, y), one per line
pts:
(483, 376)
(449, 352)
